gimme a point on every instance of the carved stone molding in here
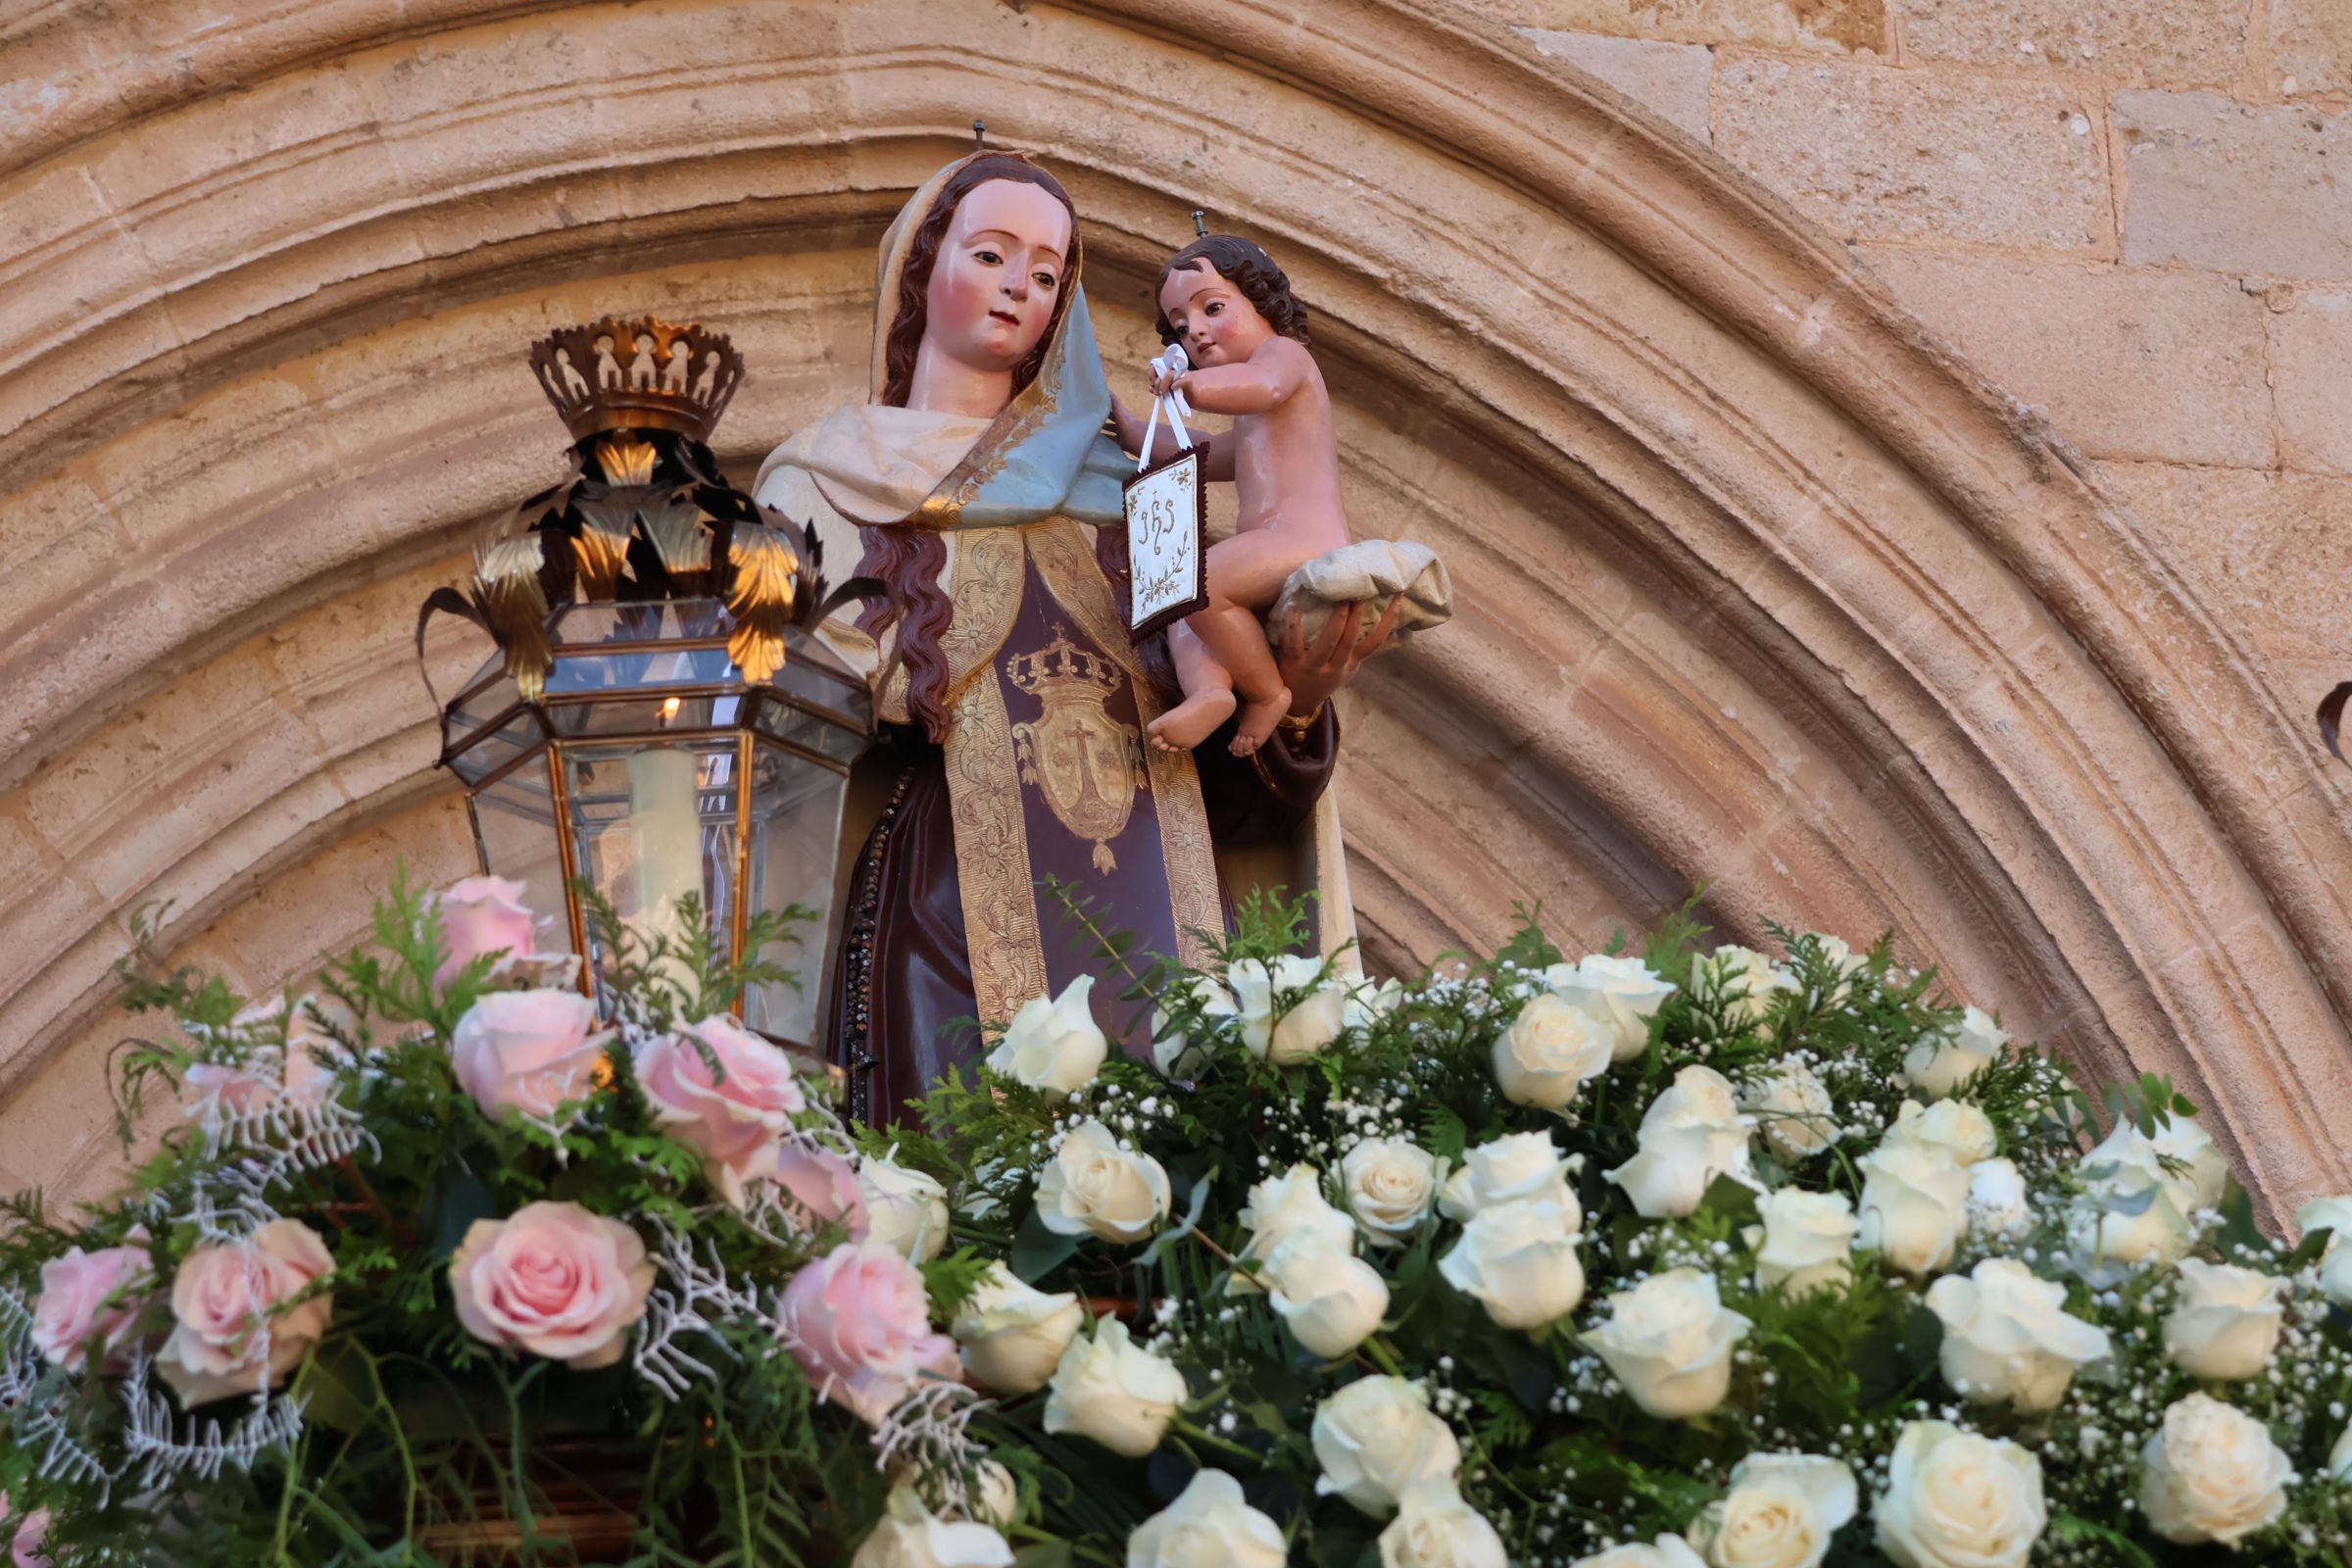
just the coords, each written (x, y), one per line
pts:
(1760, 586)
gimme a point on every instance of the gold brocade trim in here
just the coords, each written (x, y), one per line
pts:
(1076, 581)
(992, 857)
(984, 791)
(985, 585)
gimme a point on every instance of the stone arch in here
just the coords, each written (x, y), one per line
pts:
(1761, 586)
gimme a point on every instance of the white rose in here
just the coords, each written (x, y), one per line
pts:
(1549, 1051)
(2212, 1473)
(1283, 1207)
(1513, 1166)
(1792, 1109)
(2181, 1155)
(1114, 1391)
(1331, 1299)
(1518, 1260)
(1669, 1340)
(2331, 1215)
(995, 1498)
(1091, 1184)
(2335, 1276)
(1375, 1437)
(1054, 1044)
(1690, 1135)
(1209, 1524)
(1956, 1499)
(2007, 1336)
(1389, 1184)
(1667, 1552)
(1914, 1206)
(1288, 1036)
(1808, 1241)
(1013, 1335)
(1955, 1126)
(2335, 1217)
(1845, 961)
(1780, 1512)
(909, 1535)
(1942, 1062)
(1368, 1004)
(904, 1208)
(1625, 991)
(2227, 1323)
(2339, 1457)
(1434, 1527)
(1176, 1054)
(1747, 978)
(2129, 1213)
(1997, 1210)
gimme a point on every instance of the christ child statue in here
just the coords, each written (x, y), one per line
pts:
(1244, 333)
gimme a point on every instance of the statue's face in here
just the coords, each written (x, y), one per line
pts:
(997, 273)
(1215, 322)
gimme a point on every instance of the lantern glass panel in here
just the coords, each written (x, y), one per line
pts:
(651, 717)
(651, 823)
(641, 622)
(795, 845)
(514, 827)
(486, 755)
(586, 670)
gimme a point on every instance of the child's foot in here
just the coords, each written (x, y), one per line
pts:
(1259, 720)
(1193, 721)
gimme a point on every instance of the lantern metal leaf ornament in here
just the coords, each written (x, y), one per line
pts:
(660, 718)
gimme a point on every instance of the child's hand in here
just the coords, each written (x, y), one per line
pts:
(1163, 383)
(1131, 427)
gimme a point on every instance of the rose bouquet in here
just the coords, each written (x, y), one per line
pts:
(1691, 1257)
(436, 1262)
(1656, 1259)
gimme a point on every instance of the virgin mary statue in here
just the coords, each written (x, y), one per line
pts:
(977, 483)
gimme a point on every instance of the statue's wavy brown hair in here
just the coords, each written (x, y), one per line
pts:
(1245, 264)
(909, 559)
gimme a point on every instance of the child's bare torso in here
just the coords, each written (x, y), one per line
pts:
(1286, 469)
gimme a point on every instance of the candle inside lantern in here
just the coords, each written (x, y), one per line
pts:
(666, 819)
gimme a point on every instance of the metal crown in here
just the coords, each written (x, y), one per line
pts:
(641, 372)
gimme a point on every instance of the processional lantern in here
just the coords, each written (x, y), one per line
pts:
(660, 718)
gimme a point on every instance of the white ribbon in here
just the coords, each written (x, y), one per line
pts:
(1173, 363)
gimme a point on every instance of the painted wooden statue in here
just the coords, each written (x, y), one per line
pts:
(979, 483)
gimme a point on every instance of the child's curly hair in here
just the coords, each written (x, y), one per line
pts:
(1245, 264)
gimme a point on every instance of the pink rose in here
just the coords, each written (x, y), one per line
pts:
(78, 1301)
(482, 914)
(553, 1280)
(734, 1116)
(528, 1050)
(857, 1320)
(822, 1185)
(211, 1089)
(289, 1057)
(33, 1534)
(225, 1298)
(311, 1053)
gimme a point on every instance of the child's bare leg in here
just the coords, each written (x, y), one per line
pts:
(1208, 694)
(1237, 639)
(1246, 574)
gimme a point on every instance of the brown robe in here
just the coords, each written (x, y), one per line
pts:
(904, 974)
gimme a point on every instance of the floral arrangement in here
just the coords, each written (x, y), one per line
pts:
(1653, 1260)
(435, 1264)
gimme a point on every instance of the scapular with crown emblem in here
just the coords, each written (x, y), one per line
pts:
(1086, 764)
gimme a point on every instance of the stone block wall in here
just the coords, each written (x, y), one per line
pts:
(2134, 216)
